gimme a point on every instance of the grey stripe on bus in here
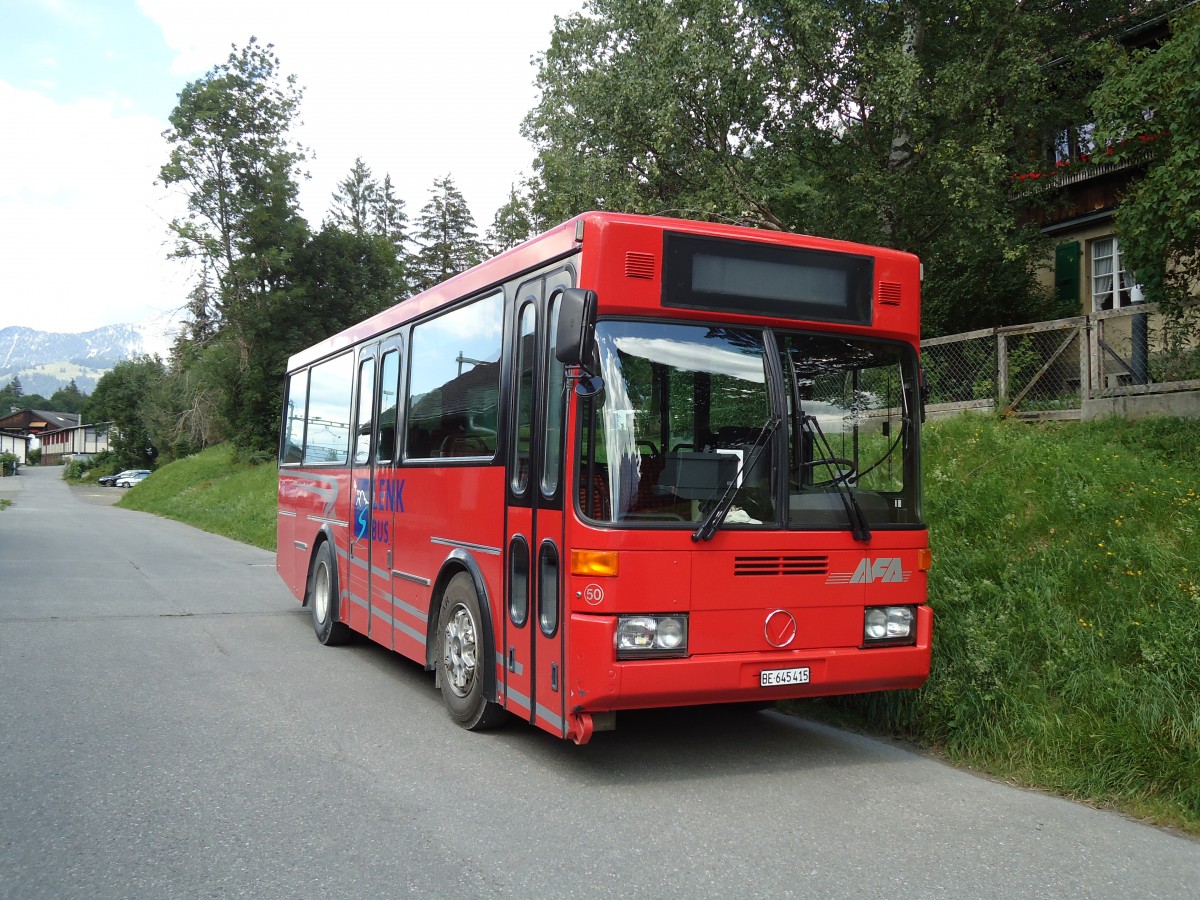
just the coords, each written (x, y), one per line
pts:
(376, 611)
(550, 716)
(519, 698)
(325, 521)
(466, 545)
(408, 608)
(502, 661)
(417, 636)
(396, 573)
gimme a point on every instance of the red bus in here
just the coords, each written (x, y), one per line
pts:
(635, 462)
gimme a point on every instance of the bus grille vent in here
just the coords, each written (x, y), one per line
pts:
(780, 565)
(639, 265)
(889, 293)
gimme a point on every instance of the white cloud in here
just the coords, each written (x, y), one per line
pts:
(81, 222)
(418, 91)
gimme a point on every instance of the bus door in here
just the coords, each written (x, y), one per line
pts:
(356, 609)
(534, 638)
(387, 500)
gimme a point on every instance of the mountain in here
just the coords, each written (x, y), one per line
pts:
(45, 361)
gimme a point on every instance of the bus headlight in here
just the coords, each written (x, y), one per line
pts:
(642, 637)
(889, 625)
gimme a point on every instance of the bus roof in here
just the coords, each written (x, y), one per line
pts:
(557, 243)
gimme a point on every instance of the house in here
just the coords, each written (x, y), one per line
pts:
(1073, 195)
(79, 440)
(32, 422)
(16, 444)
(59, 434)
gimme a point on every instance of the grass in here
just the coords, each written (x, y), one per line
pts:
(214, 492)
(1066, 588)
(1066, 591)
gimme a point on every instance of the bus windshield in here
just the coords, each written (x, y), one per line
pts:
(775, 428)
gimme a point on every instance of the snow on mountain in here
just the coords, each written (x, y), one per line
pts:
(44, 361)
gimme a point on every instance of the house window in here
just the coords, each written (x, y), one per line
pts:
(1112, 286)
(1071, 144)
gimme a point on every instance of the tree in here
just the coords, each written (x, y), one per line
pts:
(365, 207)
(182, 409)
(390, 220)
(652, 107)
(513, 223)
(121, 397)
(68, 399)
(231, 153)
(11, 397)
(892, 123)
(1147, 104)
(446, 237)
(355, 200)
(341, 278)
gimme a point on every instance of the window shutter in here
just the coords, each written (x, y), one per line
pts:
(1066, 274)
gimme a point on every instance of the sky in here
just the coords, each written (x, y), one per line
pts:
(418, 90)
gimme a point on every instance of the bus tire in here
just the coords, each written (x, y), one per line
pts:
(323, 600)
(461, 657)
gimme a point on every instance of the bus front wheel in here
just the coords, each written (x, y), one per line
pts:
(462, 656)
(322, 600)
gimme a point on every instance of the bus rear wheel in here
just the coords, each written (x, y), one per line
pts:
(322, 600)
(462, 657)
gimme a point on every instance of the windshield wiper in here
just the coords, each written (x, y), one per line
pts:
(717, 514)
(840, 481)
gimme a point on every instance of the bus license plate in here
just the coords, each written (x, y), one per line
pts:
(771, 677)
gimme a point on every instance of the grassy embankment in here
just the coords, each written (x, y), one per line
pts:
(215, 493)
(1066, 586)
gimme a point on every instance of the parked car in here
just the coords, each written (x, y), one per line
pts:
(129, 479)
(111, 480)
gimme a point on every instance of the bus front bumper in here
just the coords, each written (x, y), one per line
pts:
(600, 683)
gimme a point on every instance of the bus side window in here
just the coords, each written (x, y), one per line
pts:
(327, 435)
(295, 409)
(454, 382)
(522, 442)
(389, 392)
(366, 394)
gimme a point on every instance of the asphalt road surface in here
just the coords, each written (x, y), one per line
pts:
(169, 727)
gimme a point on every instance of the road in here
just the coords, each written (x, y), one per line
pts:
(169, 727)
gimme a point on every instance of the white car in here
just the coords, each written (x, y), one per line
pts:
(129, 479)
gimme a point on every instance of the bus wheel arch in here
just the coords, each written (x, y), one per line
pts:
(321, 596)
(461, 645)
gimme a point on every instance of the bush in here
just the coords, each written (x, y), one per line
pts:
(103, 463)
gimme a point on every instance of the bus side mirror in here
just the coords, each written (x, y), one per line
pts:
(575, 342)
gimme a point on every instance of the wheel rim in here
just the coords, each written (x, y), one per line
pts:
(321, 591)
(459, 651)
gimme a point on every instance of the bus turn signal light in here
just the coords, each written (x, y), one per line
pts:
(925, 559)
(594, 563)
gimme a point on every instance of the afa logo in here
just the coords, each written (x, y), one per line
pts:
(885, 569)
